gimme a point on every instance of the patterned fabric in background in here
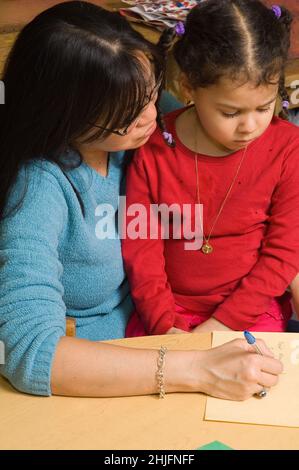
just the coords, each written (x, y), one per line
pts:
(158, 13)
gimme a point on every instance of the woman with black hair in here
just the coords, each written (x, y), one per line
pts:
(81, 87)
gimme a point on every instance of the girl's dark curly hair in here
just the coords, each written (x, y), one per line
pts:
(237, 39)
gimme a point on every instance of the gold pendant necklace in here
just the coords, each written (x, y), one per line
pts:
(207, 248)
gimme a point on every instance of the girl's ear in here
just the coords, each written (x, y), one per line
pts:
(186, 88)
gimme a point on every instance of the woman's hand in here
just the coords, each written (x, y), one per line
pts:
(234, 371)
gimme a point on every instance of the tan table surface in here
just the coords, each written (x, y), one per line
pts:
(29, 422)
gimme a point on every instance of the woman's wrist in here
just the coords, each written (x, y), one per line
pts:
(183, 371)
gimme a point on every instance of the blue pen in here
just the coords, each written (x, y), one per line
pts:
(252, 341)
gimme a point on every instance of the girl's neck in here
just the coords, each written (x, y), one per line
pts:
(193, 135)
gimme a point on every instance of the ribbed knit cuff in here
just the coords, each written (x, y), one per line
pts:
(40, 376)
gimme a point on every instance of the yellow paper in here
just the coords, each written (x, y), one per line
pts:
(281, 405)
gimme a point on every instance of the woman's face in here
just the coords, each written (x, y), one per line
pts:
(135, 135)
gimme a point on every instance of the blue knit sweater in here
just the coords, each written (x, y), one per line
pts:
(52, 264)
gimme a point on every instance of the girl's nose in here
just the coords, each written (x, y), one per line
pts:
(248, 125)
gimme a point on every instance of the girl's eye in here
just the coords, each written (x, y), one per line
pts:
(264, 110)
(230, 115)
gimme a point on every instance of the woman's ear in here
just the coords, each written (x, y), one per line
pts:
(186, 88)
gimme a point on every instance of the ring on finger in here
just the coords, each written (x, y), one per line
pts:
(262, 393)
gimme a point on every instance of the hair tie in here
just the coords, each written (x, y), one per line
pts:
(276, 10)
(180, 28)
(168, 138)
(285, 104)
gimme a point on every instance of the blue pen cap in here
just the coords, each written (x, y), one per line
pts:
(249, 337)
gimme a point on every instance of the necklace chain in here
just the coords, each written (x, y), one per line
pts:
(207, 247)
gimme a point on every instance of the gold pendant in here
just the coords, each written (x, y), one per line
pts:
(206, 248)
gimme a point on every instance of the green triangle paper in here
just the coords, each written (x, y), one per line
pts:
(215, 445)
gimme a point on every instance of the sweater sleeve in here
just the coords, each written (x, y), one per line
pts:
(32, 311)
(278, 261)
(144, 259)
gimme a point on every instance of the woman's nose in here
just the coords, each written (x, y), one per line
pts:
(148, 114)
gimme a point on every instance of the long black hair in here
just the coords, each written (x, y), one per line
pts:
(72, 65)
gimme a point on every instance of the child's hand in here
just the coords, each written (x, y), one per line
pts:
(295, 293)
(210, 325)
(175, 331)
